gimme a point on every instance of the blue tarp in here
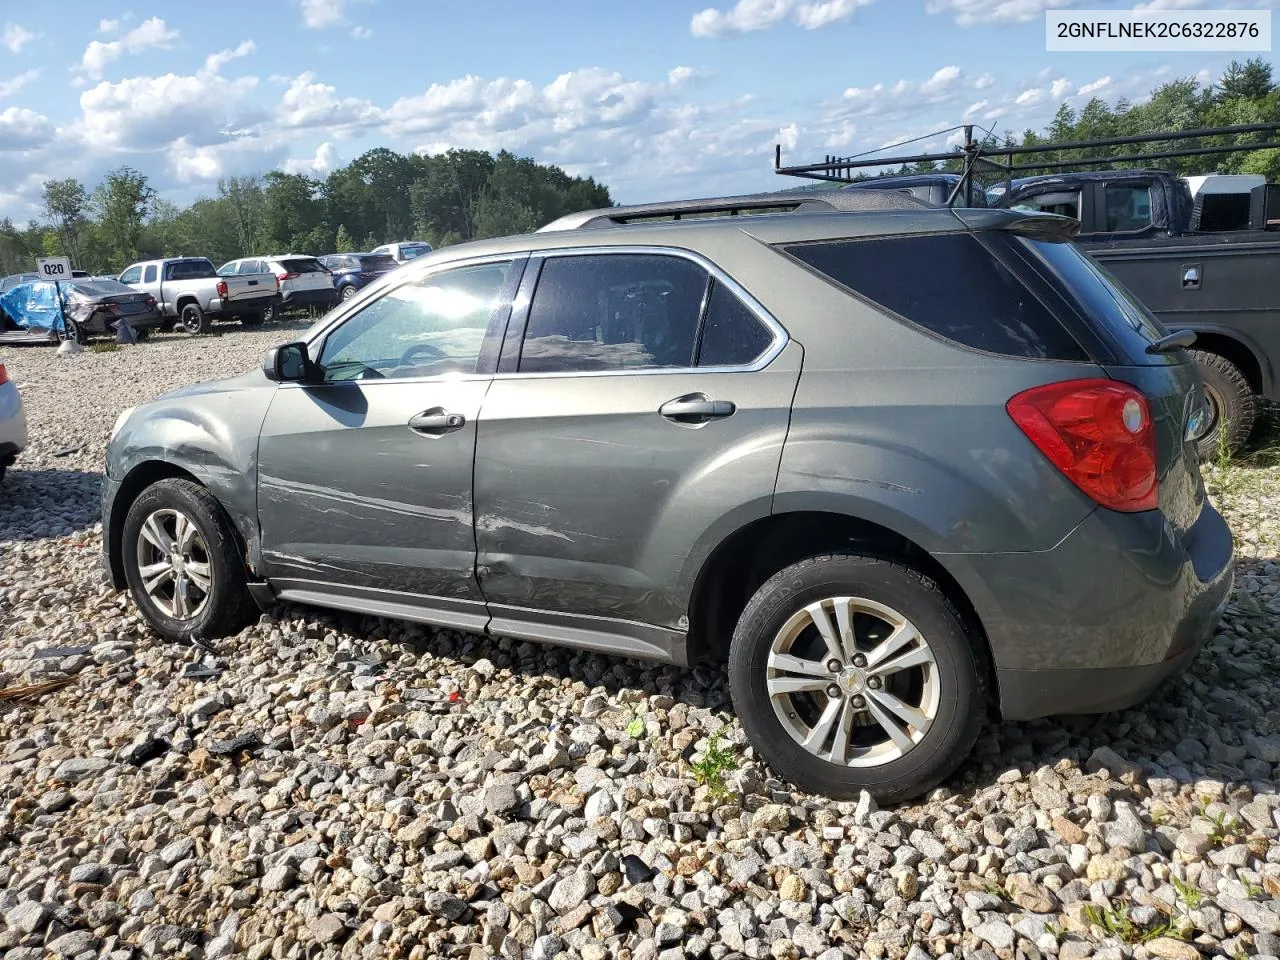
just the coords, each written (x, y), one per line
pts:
(33, 306)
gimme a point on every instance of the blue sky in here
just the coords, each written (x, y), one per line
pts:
(656, 98)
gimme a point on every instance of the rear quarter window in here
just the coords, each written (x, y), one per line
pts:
(951, 285)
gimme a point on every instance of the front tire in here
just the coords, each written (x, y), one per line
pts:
(182, 565)
(1232, 405)
(193, 320)
(851, 672)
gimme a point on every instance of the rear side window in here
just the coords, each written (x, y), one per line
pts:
(149, 275)
(949, 284)
(732, 336)
(378, 261)
(189, 270)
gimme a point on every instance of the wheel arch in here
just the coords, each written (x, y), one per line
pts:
(745, 559)
(1241, 351)
(141, 477)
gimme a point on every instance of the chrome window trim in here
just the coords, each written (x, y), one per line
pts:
(780, 336)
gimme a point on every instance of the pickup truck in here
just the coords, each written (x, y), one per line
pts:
(188, 291)
(1223, 284)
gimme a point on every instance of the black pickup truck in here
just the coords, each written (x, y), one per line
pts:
(1223, 284)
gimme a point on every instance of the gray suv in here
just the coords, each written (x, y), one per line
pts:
(896, 465)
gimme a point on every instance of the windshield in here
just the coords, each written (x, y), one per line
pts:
(190, 270)
(411, 250)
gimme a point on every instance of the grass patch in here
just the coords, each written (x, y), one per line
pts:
(718, 761)
(103, 347)
(1188, 893)
(1118, 923)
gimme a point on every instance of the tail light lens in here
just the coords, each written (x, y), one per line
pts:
(282, 277)
(1099, 434)
(151, 301)
(4, 374)
(222, 288)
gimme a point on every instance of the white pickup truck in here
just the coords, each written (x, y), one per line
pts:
(189, 291)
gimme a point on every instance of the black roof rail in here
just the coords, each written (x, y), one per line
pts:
(790, 201)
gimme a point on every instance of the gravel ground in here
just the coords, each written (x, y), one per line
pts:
(325, 785)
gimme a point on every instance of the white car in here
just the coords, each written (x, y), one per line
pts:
(404, 251)
(303, 281)
(13, 422)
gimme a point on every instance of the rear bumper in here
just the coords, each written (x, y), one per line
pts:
(299, 299)
(233, 309)
(1096, 623)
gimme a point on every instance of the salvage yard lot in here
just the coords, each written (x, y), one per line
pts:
(313, 783)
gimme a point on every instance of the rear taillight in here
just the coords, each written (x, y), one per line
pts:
(222, 289)
(151, 301)
(4, 374)
(1098, 433)
(282, 277)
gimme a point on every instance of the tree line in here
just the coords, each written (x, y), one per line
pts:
(380, 197)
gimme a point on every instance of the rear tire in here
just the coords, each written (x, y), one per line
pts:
(193, 320)
(143, 334)
(348, 292)
(216, 602)
(943, 688)
(73, 331)
(1231, 403)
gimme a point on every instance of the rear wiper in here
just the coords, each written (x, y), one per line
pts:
(1174, 341)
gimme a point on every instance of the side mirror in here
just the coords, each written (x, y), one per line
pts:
(289, 363)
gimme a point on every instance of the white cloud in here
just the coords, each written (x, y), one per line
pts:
(747, 16)
(975, 108)
(216, 61)
(1029, 98)
(23, 129)
(146, 113)
(16, 37)
(108, 26)
(361, 33)
(940, 81)
(788, 136)
(1060, 88)
(967, 13)
(1092, 88)
(9, 87)
(148, 35)
(318, 14)
(320, 164)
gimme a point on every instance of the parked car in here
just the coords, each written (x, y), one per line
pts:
(11, 281)
(303, 282)
(189, 291)
(13, 422)
(405, 250)
(354, 271)
(891, 462)
(96, 307)
(45, 312)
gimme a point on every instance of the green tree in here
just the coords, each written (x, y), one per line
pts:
(1251, 80)
(67, 204)
(343, 243)
(244, 201)
(122, 202)
(291, 212)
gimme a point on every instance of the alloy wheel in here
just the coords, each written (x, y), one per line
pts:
(852, 681)
(174, 564)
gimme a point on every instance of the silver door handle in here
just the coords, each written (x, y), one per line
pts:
(696, 408)
(436, 422)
